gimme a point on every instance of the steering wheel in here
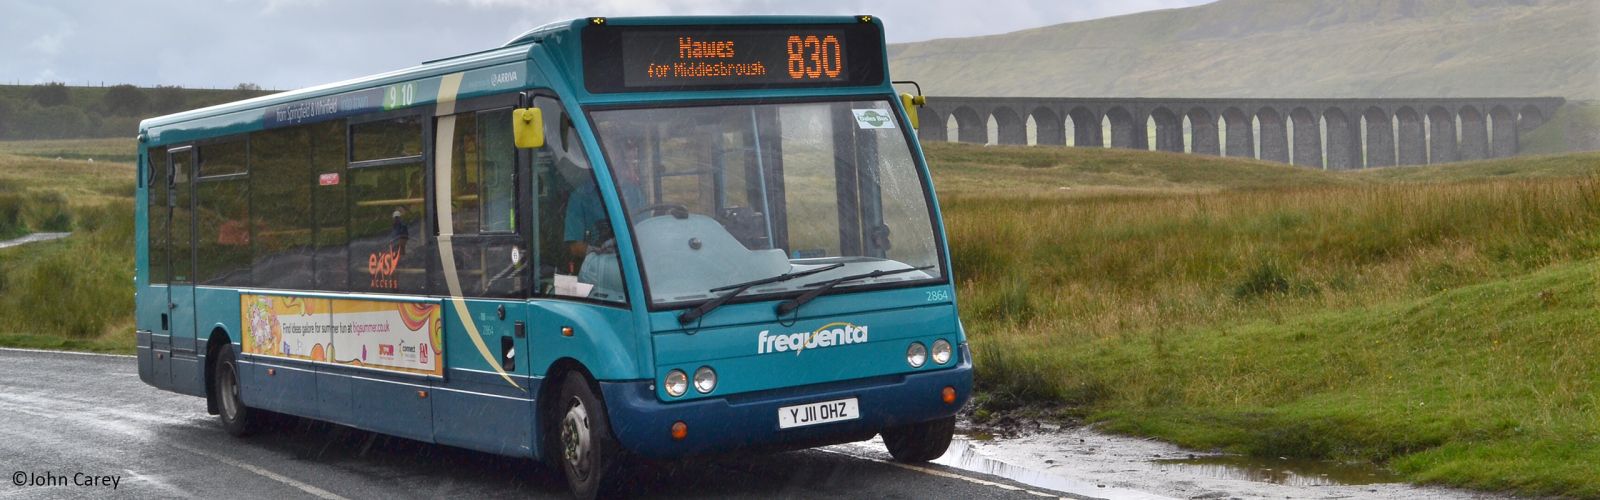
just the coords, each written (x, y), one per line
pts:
(677, 211)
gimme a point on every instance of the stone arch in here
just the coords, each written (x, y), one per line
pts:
(1441, 135)
(1474, 134)
(1344, 140)
(1274, 135)
(1086, 130)
(1532, 117)
(1049, 128)
(1307, 138)
(932, 126)
(1379, 131)
(1009, 127)
(970, 128)
(1124, 132)
(1169, 130)
(1504, 139)
(1411, 142)
(1240, 132)
(1203, 132)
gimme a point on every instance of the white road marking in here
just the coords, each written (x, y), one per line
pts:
(47, 351)
(312, 490)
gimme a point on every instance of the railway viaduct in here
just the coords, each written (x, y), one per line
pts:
(1336, 134)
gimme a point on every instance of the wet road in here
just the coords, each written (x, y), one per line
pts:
(67, 417)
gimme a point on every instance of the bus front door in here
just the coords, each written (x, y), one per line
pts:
(183, 364)
(480, 185)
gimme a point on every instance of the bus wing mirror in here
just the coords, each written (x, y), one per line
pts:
(911, 103)
(527, 128)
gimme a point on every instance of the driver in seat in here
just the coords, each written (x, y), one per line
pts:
(587, 230)
(586, 225)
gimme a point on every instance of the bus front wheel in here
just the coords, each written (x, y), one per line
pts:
(237, 419)
(920, 442)
(583, 441)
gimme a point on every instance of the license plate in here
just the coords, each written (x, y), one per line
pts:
(818, 413)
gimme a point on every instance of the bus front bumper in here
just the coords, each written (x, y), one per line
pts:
(642, 424)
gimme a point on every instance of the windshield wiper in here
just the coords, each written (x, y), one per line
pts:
(790, 305)
(693, 314)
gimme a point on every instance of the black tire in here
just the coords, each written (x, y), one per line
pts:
(920, 442)
(238, 419)
(581, 440)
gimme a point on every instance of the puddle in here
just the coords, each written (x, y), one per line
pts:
(1289, 472)
(962, 455)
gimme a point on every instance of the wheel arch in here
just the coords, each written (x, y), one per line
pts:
(555, 375)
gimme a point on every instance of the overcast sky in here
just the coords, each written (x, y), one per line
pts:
(286, 44)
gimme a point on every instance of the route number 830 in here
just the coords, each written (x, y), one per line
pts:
(811, 57)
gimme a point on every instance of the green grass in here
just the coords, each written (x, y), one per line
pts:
(112, 150)
(73, 293)
(1543, 166)
(23, 212)
(1433, 319)
(967, 171)
(1490, 386)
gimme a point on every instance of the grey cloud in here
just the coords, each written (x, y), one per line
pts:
(295, 43)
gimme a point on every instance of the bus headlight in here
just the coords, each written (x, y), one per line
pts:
(705, 379)
(676, 383)
(941, 351)
(916, 355)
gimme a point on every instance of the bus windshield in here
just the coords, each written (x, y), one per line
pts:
(719, 195)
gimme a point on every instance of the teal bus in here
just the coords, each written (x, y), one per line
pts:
(657, 237)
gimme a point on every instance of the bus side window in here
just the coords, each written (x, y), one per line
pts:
(222, 207)
(577, 252)
(281, 205)
(389, 250)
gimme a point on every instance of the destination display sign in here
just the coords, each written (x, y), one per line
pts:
(651, 58)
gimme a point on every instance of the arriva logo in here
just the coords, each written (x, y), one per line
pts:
(829, 335)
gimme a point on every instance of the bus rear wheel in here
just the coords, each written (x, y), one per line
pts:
(920, 442)
(582, 441)
(238, 419)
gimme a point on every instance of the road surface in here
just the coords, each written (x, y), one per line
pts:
(75, 425)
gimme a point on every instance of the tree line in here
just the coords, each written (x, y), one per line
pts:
(55, 110)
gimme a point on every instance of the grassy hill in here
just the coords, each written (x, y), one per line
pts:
(73, 293)
(1273, 48)
(58, 111)
(1439, 319)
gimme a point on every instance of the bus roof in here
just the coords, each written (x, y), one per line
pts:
(486, 71)
(241, 115)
